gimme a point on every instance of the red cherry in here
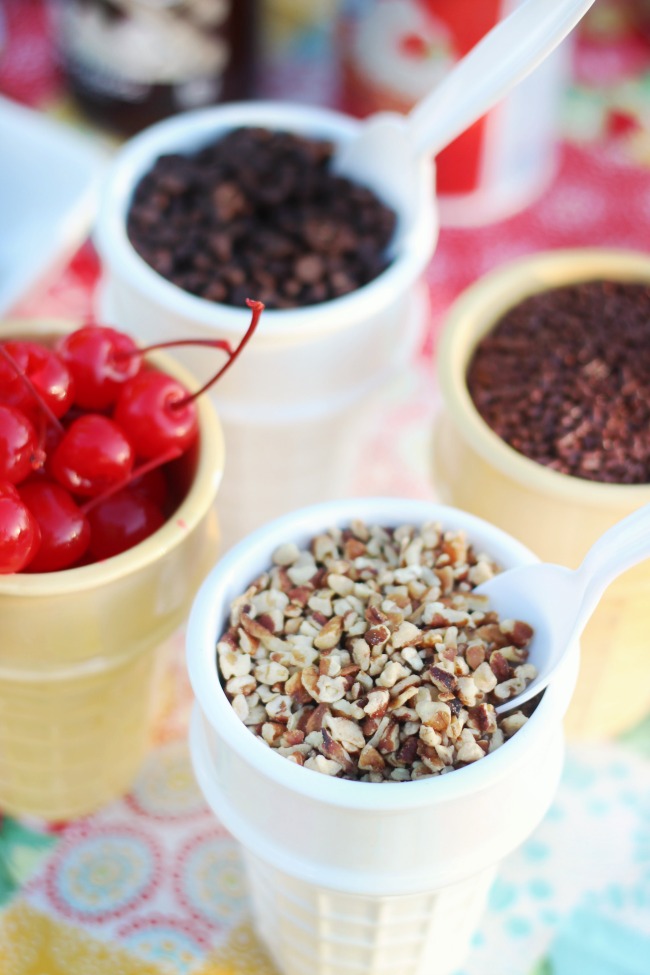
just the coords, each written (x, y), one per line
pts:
(45, 372)
(157, 413)
(100, 359)
(65, 532)
(19, 450)
(49, 438)
(93, 455)
(8, 490)
(152, 485)
(20, 535)
(120, 522)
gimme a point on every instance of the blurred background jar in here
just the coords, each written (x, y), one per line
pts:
(297, 51)
(393, 52)
(130, 63)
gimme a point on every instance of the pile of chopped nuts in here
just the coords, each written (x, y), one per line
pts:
(368, 656)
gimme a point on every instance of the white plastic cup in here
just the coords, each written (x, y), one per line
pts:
(356, 878)
(288, 405)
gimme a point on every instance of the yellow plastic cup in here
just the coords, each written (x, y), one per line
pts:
(556, 515)
(81, 649)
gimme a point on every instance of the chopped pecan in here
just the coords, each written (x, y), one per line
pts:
(330, 635)
(296, 690)
(475, 654)
(316, 718)
(376, 635)
(374, 616)
(490, 634)
(254, 628)
(518, 632)
(500, 666)
(330, 689)
(405, 635)
(407, 751)
(389, 740)
(429, 756)
(335, 751)
(483, 717)
(442, 679)
(393, 672)
(378, 701)
(371, 760)
(353, 548)
(300, 595)
(347, 732)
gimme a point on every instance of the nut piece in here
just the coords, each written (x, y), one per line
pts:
(330, 689)
(405, 635)
(370, 760)
(377, 703)
(330, 635)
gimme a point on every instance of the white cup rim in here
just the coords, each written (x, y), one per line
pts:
(230, 576)
(191, 129)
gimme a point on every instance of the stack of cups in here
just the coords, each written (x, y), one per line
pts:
(289, 406)
(364, 878)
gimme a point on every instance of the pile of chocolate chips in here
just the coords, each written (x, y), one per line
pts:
(259, 214)
(564, 378)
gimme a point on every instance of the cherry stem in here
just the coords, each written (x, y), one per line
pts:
(256, 307)
(149, 465)
(52, 417)
(208, 343)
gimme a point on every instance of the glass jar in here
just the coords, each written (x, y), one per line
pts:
(132, 62)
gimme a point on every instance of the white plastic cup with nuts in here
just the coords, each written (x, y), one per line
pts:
(364, 877)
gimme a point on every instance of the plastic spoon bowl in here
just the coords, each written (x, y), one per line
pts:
(557, 602)
(385, 153)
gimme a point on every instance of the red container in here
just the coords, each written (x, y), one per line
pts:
(393, 52)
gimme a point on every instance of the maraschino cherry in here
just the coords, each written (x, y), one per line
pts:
(95, 356)
(81, 466)
(27, 366)
(93, 455)
(65, 532)
(157, 411)
(120, 522)
(19, 450)
(20, 535)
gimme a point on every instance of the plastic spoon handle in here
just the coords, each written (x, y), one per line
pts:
(622, 546)
(499, 61)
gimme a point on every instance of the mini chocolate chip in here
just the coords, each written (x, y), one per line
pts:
(310, 268)
(564, 378)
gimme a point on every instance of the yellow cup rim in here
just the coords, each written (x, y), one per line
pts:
(183, 521)
(475, 312)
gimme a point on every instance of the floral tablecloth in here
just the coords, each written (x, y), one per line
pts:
(152, 885)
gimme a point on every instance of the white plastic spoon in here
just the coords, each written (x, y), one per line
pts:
(557, 602)
(385, 153)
